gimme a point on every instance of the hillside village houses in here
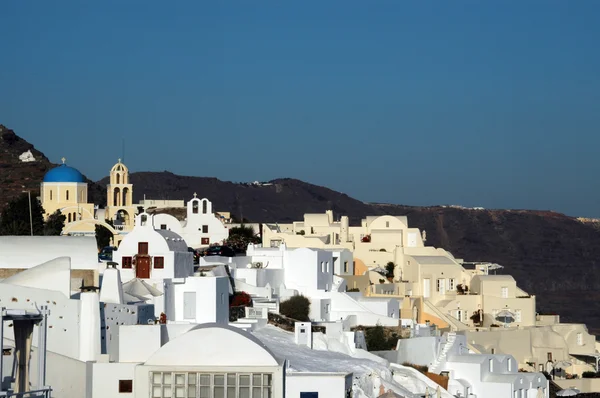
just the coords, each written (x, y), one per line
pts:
(157, 325)
(65, 189)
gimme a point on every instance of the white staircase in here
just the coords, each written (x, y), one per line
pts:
(271, 305)
(441, 358)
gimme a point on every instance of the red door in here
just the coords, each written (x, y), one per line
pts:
(142, 267)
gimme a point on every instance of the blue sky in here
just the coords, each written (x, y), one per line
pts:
(478, 103)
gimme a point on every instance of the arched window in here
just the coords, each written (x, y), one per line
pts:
(125, 194)
(204, 206)
(74, 216)
(50, 194)
(69, 217)
(116, 197)
(67, 194)
(195, 207)
(118, 178)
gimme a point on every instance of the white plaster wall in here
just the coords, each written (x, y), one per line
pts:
(106, 378)
(390, 307)
(418, 350)
(172, 223)
(30, 251)
(212, 299)
(137, 343)
(63, 321)
(327, 385)
(472, 373)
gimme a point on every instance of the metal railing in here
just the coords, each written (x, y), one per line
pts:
(41, 393)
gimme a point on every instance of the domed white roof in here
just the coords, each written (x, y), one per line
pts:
(214, 345)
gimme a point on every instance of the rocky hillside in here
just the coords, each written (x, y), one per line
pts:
(17, 176)
(26, 173)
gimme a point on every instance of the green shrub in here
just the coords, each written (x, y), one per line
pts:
(297, 307)
(376, 339)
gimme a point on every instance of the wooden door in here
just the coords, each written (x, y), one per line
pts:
(142, 267)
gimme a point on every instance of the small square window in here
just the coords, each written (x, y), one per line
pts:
(205, 229)
(125, 386)
(159, 262)
(126, 262)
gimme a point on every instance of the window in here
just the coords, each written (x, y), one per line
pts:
(302, 330)
(322, 266)
(142, 247)
(387, 224)
(69, 218)
(309, 395)
(504, 292)
(579, 338)
(195, 207)
(205, 229)
(163, 226)
(159, 262)
(517, 315)
(50, 194)
(67, 194)
(550, 356)
(211, 385)
(491, 362)
(326, 266)
(205, 241)
(118, 178)
(440, 285)
(125, 386)
(126, 262)
(204, 206)
(346, 266)
(451, 283)
(509, 365)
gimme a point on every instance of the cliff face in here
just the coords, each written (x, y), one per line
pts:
(21, 171)
(551, 255)
(16, 175)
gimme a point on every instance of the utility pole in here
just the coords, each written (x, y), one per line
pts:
(30, 213)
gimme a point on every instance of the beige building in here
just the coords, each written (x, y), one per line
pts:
(119, 198)
(65, 189)
(435, 286)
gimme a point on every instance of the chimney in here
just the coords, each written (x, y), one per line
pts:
(111, 290)
(303, 334)
(89, 326)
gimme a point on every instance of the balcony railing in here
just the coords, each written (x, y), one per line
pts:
(41, 393)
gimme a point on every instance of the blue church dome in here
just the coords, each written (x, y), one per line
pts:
(64, 173)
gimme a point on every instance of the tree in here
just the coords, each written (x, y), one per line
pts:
(296, 307)
(103, 235)
(240, 237)
(15, 217)
(390, 269)
(54, 224)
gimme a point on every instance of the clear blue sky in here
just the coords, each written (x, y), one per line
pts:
(478, 103)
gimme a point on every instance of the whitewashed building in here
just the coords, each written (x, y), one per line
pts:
(201, 227)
